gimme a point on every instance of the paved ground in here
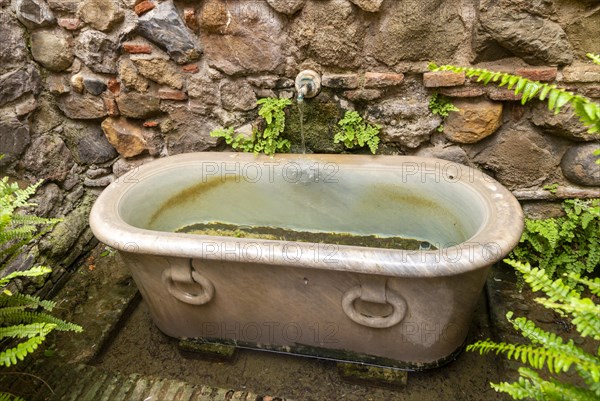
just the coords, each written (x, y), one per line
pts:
(112, 360)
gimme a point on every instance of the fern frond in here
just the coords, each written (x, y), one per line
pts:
(9, 397)
(26, 330)
(17, 316)
(587, 110)
(26, 301)
(585, 314)
(594, 57)
(531, 385)
(12, 355)
(33, 272)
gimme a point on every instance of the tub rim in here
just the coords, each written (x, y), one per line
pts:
(496, 237)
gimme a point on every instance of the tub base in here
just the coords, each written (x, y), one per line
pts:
(224, 349)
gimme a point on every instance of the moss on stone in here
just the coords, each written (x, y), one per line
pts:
(321, 115)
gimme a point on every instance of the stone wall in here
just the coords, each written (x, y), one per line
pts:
(92, 88)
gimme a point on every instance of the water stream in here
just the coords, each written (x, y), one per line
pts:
(301, 113)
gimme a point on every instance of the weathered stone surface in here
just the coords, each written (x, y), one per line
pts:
(48, 199)
(463, 91)
(94, 85)
(97, 51)
(452, 153)
(70, 24)
(69, 6)
(52, 49)
(581, 72)
(111, 106)
(164, 26)
(584, 32)
(138, 105)
(542, 74)
(288, 7)
(66, 233)
(502, 94)
(130, 77)
(123, 165)
(13, 52)
(143, 7)
(368, 5)
(204, 89)
(436, 79)
(160, 71)
(14, 138)
(363, 95)
(100, 14)
(48, 158)
(190, 130)
(15, 84)
(340, 81)
(382, 79)
(34, 13)
(407, 122)
(137, 48)
(87, 143)
(579, 165)
(191, 19)
(237, 95)
(190, 68)
(413, 30)
(76, 82)
(330, 33)
(534, 39)
(126, 137)
(83, 107)
(171, 94)
(518, 155)
(245, 37)
(565, 124)
(474, 120)
(25, 106)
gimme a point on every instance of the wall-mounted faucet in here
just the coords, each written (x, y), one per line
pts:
(308, 84)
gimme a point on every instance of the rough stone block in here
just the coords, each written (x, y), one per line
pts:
(190, 68)
(127, 138)
(436, 79)
(102, 15)
(114, 86)
(382, 79)
(137, 48)
(143, 7)
(70, 24)
(368, 5)
(542, 74)
(191, 19)
(474, 120)
(163, 26)
(581, 73)
(363, 95)
(463, 91)
(579, 165)
(340, 81)
(502, 94)
(171, 94)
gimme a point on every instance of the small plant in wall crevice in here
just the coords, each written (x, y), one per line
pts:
(355, 132)
(269, 141)
(441, 106)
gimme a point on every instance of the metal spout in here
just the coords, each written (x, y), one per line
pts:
(308, 84)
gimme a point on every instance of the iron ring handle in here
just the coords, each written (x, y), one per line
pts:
(378, 322)
(208, 290)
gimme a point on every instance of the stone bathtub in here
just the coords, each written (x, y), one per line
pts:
(407, 309)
